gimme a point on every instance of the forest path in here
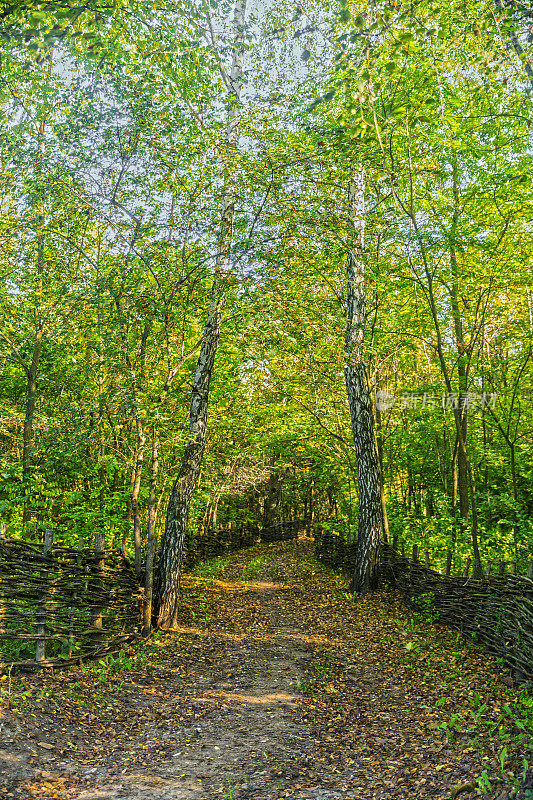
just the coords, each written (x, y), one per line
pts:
(276, 685)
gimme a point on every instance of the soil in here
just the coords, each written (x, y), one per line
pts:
(276, 684)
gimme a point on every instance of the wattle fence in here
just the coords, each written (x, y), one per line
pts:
(61, 606)
(214, 543)
(495, 612)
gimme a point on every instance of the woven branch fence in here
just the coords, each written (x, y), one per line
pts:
(495, 612)
(215, 543)
(64, 605)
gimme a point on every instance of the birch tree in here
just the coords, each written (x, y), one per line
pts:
(359, 399)
(170, 556)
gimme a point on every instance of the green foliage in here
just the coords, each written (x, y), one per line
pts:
(306, 567)
(17, 649)
(114, 663)
(200, 613)
(507, 729)
(427, 611)
(210, 569)
(112, 177)
(254, 567)
(317, 672)
(484, 782)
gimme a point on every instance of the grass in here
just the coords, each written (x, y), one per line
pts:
(499, 726)
(318, 672)
(252, 569)
(210, 569)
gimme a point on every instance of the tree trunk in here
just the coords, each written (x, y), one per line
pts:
(150, 542)
(40, 649)
(99, 550)
(141, 440)
(461, 444)
(27, 436)
(170, 556)
(272, 498)
(33, 369)
(370, 527)
(454, 479)
(365, 575)
(515, 498)
(466, 476)
(462, 380)
(509, 28)
(127, 527)
(379, 441)
(511, 443)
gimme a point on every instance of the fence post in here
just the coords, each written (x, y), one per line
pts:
(3, 530)
(487, 571)
(403, 549)
(40, 648)
(512, 567)
(426, 559)
(448, 563)
(530, 570)
(502, 567)
(415, 552)
(467, 568)
(395, 542)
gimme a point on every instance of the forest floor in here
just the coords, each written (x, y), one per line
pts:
(277, 684)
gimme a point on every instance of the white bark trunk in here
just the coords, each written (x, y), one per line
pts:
(370, 525)
(170, 558)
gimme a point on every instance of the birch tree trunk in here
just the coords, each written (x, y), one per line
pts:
(167, 581)
(370, 526)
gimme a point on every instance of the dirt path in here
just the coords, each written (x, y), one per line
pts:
(276, 686)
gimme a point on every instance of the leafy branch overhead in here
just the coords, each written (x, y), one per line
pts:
(262, 263)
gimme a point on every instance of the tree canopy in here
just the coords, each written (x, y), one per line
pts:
(160, 161)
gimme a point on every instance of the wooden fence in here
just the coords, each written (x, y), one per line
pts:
(495, 612)
(215, 543)
(63, 605)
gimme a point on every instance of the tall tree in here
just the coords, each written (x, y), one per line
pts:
(171, 550)
(370, 525)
